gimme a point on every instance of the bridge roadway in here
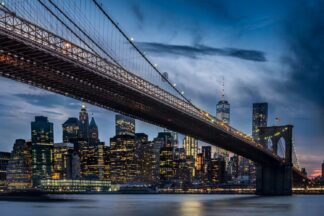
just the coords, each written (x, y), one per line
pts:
(33, 55)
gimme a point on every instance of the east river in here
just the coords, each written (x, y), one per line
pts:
(167, 205)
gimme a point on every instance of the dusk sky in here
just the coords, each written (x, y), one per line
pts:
(267, 51)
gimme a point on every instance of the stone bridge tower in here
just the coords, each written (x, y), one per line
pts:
(274, 179)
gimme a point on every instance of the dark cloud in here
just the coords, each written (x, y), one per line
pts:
(47, 100)
(200, 50)
(304, 34)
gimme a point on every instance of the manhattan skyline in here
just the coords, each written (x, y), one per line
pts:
(257, 58)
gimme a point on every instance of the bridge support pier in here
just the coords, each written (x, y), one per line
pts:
(273, 181)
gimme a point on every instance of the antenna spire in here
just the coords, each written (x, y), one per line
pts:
(223, 88)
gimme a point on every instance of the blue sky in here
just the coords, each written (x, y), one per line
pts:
(267, 51)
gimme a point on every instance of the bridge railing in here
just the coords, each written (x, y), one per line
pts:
(39, 37)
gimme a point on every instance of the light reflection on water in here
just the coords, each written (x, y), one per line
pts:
(168, 205)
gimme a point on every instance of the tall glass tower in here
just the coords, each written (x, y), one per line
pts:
(83, 123)
(190, 145)
(223, 108)
(42, 148)
(259, 117)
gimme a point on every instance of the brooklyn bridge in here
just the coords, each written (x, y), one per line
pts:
(56, 46)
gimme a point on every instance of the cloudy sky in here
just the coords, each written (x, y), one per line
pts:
(267, 51)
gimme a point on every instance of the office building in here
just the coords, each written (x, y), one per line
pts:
(259, 117)
(70, 130)
(19, 170)
(4, 159)
(190, 146)
(42, 148)
(125, 125)
(167, 154)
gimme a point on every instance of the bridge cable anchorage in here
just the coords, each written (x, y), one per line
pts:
(141, 53)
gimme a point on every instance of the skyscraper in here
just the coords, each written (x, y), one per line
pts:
(70, 130)
(83, 123)
(167, 153)
(122, 154)
(4, 159)
(62, 161)
(93, 133)
(42, 148)
(190, 145)
(125, 125)
(259, 117)
(19, 172)
(223, 108)
(223, 111)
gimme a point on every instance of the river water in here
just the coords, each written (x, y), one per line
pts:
(167, 205)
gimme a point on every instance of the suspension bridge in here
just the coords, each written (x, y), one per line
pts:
(76, 49)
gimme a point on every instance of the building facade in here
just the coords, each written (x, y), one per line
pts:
(125, 125)
(19, 172)
(42, 148)
(259, 117)
(70, 130)
(190, 145)
(4, 159)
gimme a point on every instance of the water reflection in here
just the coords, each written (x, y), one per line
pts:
(168, 205)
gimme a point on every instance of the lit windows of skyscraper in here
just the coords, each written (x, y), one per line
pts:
(19, 172)
(62, 161)
(122, 157)
(259, 117)
(167, 153)
(42, 148)
(125, 125)
(70, 129)
(123, 166)
(83, 123)
(190, 145)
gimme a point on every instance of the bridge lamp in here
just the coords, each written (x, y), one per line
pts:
(182, 92)
(132, 39)
(155, 65)
(174, 84)
(67, 45)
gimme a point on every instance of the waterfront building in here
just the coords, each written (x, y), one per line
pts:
(92, 161)
(62, 161)
(125, 125)
(93, 133)
(215, 173)
(148, 159)
(190, 145)
(167, 154)
(42, 148)
(70, 130)
(83, 123)
(19, 170)
(77, 186)
(123, 161)
(4, 159)
(206, 153)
